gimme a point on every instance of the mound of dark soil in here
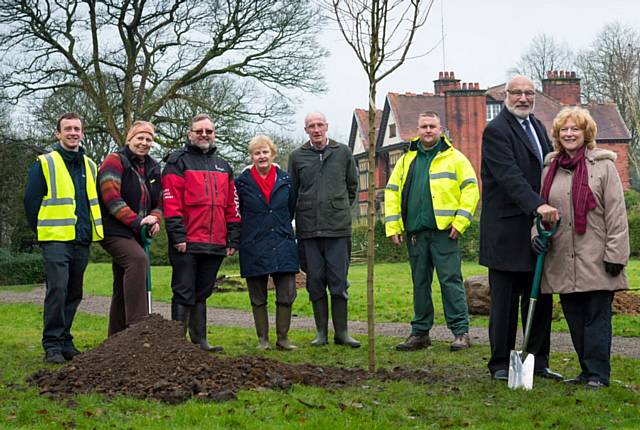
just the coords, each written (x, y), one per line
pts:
(626, 303)
(152, 359)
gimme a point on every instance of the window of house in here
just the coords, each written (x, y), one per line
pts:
(363, 208)
(363, 179)
(493, 109)
(392, 130)
(394, 156)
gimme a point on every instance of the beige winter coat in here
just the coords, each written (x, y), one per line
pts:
(574, 262)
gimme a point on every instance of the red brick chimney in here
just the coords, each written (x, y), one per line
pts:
(466, 117)
(446, 81)
(563, 86)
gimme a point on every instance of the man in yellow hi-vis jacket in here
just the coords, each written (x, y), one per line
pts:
(61, 206)
(430, 199)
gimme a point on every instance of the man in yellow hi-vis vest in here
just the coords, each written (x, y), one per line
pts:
(61, 205)
(430, 198)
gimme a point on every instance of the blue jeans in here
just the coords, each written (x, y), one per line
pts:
(64, 265)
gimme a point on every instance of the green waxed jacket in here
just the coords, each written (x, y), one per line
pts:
(325, 184)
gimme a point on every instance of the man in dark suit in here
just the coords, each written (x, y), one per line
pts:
(513, 148)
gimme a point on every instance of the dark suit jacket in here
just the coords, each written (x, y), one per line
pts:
(510, 174)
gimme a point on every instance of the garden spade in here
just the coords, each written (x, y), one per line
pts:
(145, 237)
(521, 363)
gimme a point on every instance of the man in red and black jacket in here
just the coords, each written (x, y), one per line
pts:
(203, 224)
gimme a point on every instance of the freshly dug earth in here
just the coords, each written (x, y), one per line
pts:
(152, 359)
(626, 303)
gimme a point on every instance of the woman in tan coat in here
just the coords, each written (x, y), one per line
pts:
(586, 258)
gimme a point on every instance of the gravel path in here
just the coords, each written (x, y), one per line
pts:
(98, 305)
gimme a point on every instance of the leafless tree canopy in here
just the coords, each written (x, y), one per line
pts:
(543, 54)
(610, 71)
(137, 59)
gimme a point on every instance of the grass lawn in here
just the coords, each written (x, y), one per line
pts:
(464, 395)
(393, 290)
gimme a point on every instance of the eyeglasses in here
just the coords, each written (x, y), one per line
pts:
(518, 93)
(206, 131)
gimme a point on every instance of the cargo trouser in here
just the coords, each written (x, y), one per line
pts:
(429, 249)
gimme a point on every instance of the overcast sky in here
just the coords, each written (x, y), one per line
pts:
(483, 40)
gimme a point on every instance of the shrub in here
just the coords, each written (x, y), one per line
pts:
(634, 232)
(20, 268)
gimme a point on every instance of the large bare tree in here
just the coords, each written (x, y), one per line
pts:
(610, 71)
(133, 58)
(380, 33)
(543, 54)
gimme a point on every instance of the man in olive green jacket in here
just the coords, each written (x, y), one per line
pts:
(325, 181)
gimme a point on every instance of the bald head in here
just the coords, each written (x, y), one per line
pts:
(315, 125)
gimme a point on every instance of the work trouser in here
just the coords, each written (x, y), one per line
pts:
(129, 299)
(325, 260)
(429, 249)
(285, 284)
(510, 290)
(64, 265)
(193, 276)
(588, 315)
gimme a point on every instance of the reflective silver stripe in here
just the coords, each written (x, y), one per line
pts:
(391, 218)
(93, 168)
(57, 202)
(444, 175)
(56, 222)
(52, 176)
(93, 202)
(465, 214)
(444, 212)
(467, 182)
(97, 221)
(393, 187)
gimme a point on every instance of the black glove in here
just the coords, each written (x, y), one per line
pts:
(613, 269)
(538, 246)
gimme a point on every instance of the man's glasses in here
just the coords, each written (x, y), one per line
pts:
(518, 93)
(206, 131)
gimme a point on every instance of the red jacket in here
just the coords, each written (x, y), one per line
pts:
(200, 201)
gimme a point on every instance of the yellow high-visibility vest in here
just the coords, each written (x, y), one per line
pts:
(57, 215)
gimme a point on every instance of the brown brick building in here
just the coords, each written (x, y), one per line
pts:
(465, 110)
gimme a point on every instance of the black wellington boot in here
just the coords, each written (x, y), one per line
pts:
(180, 313)
(339, 316)
(321, 316)
(198, 328)
(261, 321)
(283, 322)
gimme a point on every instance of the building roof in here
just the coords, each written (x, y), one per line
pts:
(360, 125)
(406, 108)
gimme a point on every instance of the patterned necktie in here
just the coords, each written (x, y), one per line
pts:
(532, 139)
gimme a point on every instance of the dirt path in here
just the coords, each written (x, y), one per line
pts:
(98, 305)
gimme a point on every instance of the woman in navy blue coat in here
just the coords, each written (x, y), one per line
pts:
(267, 244)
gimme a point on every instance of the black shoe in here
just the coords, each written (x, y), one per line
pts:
(54, 357)
(500, 375)
(548, 374)
(578, 380)
(414, 343)
(68, 354)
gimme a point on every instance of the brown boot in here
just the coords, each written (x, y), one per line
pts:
(461, 341)
(261, 320)
(414, 343)
(283, 322)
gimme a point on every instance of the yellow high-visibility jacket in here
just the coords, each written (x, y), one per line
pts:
(56, 217)
(454, 190)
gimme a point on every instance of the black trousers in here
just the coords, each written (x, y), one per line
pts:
(325, 260)
(510, 291)
(193, 276)
(589, 317)
(64, 265)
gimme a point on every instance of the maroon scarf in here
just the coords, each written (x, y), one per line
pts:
(581, 194)
(265, 184)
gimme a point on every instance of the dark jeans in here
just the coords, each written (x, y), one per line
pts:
(285, 284)
(193, 276)
(429, 249)
(510, 291)
(64, 265)
(588, 315)
(326, 263)
(129, 299)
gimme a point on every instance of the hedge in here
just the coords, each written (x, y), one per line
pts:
(22, 268)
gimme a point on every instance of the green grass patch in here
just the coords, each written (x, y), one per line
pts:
(465, 397)
(393, 294)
